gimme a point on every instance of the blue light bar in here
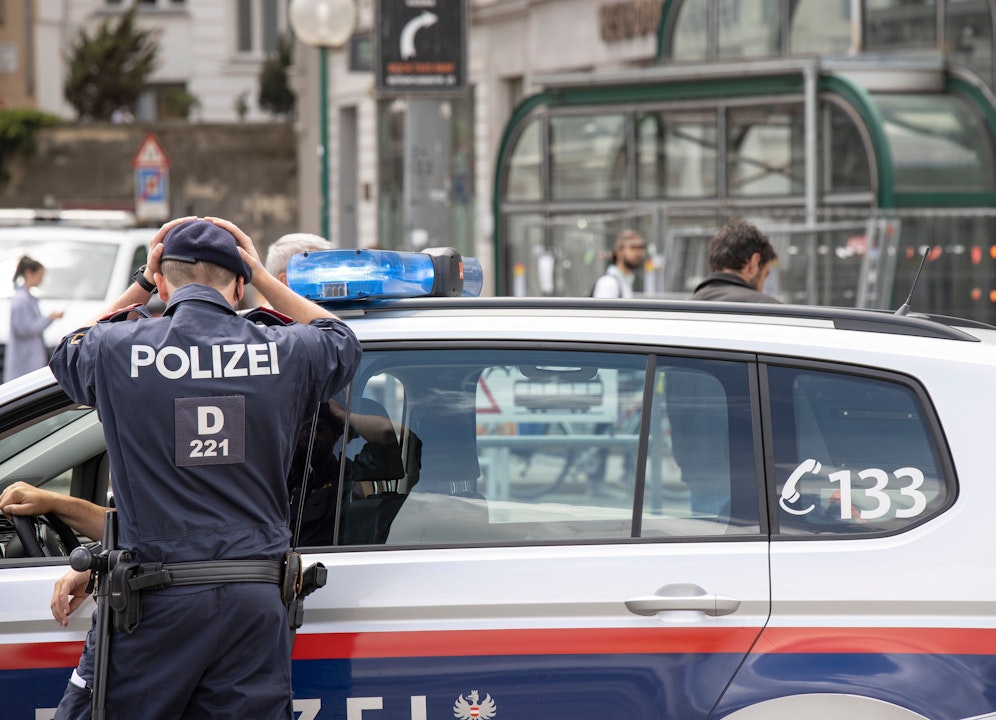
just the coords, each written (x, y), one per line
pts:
(337, 276)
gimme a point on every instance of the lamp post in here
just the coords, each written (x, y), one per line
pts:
(323, 24)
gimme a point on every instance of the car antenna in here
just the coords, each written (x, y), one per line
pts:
(904, 309)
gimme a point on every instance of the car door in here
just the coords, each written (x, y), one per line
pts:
(881, 582)
(567, 532)
(47, 441)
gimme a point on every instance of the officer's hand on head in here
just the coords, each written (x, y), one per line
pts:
(156, 243)
(68, 594)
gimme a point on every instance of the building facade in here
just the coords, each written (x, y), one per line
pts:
(210, 49)
(861, 136)
(375, 135)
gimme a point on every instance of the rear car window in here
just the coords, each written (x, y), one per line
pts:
(854, 454)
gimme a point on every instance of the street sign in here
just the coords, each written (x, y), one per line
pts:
(151, 168)
(361, 52)
(422, 46)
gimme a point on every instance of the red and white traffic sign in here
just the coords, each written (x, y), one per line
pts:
(150, 154)
(151, 168)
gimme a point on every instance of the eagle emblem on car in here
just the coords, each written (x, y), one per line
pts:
(473, 708)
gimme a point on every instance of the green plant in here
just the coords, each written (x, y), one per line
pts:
(17, 132)
(178, 102)
(109, 70)
(275, 94)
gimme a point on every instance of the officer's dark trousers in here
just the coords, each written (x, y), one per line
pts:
(75, 704)
(220, 652)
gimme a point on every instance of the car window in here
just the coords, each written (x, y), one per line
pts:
(510, 446)
(25, 436)
(513, 446)
(704, 480)
(63, 452)
(853, 454)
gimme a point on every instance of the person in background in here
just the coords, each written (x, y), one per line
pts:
(627, 255)
(279, 253)
(740, 258)
(26, 349)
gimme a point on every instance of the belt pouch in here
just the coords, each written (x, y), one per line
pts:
(290, 584)
(124, 601)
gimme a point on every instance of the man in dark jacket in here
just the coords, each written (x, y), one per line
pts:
(740, 258)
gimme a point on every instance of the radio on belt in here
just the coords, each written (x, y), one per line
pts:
(337, 276)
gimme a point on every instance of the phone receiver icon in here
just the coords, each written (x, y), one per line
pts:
(789, 492)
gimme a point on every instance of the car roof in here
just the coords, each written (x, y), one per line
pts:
(846, 335)
(842, 334)
(861, 320)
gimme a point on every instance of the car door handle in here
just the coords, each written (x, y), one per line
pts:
(683, 596)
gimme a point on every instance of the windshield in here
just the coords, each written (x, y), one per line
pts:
(25, 438)
(73, 270)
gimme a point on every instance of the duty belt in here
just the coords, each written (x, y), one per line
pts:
(156, 576)
(127, 580)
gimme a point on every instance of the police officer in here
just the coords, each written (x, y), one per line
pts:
(200, 410)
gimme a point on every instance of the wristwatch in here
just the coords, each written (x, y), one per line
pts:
(139, 277)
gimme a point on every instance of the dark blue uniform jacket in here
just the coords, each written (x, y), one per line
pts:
(201, 410)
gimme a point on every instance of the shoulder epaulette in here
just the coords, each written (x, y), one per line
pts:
(123, 313)
(268, 316)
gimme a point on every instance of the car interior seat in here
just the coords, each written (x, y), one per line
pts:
(446, 505)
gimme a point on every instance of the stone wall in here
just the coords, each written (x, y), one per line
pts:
(246, 172)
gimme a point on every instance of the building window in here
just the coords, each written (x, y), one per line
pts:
(676, 154)
(896, 24)
(749, 28)
(844, 155)
(820, 26)
(259, 24)
(587, 157)
(765, 151)
(968, 30)
(938, 143)
(691, 36)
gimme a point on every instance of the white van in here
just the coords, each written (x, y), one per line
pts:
(89, 258)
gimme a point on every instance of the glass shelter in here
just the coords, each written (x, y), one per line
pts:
(858, 133)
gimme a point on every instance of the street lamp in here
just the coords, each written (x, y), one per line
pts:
(323, 24)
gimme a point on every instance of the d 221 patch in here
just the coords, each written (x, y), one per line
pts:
(210, 430)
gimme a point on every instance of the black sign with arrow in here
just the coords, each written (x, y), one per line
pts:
(421, 46)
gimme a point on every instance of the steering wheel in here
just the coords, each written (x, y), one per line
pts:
(57, 538)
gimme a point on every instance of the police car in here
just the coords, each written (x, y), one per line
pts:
(595, 509)
(89, 258)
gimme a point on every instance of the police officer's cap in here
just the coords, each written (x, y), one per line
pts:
(203, 240)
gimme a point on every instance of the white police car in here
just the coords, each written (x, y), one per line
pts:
(89, 258)
(595, 509)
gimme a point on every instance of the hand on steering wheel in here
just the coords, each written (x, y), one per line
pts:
(52, 544)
